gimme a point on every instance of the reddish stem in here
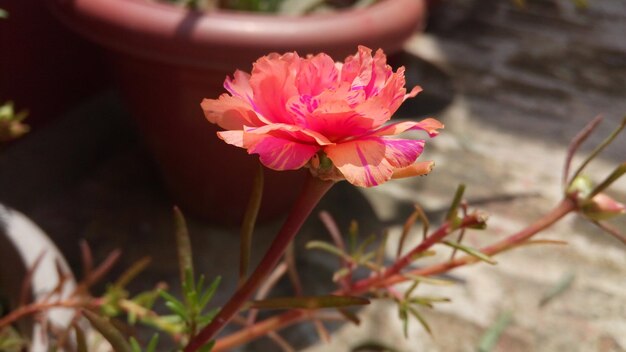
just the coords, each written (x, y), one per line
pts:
(565, 207)
(313, 191)
(293, 316)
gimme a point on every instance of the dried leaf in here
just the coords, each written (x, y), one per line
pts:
(308, 302)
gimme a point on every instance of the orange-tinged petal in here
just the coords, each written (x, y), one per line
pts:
(430, 125)
(273, 82)
(274, 152)
(372, 161)
(291, 132)
(316, 74)
(230, 113)
(418, 169)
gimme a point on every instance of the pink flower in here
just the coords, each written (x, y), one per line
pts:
(330, 117)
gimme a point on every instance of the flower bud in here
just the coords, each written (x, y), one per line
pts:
(602, 207)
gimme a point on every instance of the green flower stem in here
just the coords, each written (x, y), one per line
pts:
(313, 191)
(293, 316)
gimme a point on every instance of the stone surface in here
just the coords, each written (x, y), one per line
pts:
(512, 86)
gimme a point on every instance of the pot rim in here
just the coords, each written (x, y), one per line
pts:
(161, 31)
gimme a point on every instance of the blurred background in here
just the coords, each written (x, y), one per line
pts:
(513, 81)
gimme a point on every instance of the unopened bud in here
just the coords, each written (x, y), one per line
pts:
(602, 207)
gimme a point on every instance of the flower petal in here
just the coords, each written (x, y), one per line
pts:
(317, 74)
(231, 113)
(273, 82)
(275, 153)
(281, 154)
(430, 125)
(290, 132)
(337, 121)
(418, 169)
(239, 86)
(372, 161)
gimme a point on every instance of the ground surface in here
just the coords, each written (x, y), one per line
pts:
(511, 85)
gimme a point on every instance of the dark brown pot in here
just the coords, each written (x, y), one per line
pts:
(45, 68)
(169, 58)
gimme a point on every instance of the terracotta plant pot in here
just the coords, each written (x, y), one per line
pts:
(21, 244)
(169, 58)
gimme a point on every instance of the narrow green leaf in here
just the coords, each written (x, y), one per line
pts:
(208, 317)
(598, 149)
(340, 274)
(108, 331)
(428, 300)
(429, 280)
(310, 302)
(207, 347)
(210, 291)
(490, 338)
(175, 308)
(616, 174)
(428, 253)
(366, 258)
(363, 246)
(132, 272)
(373, 346)
(353, 235)
(453, 213)
(380, 251)
(408, 292)
(327, 247)
(174, 304)
(248, 224)
(404, 317)
(183, 245)
(562, 285)
(135, 345)
(81, 341)
(471, 251)
(418, 214)
(200, 284)
(421, 319)
(152, 345)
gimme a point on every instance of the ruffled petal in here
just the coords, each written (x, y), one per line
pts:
(380, 74)
(337, 121)
(239, 86)
(317, 73)
(274, 152)
(372, 161)
(430, 125)
(231, 113)
(273, 82)
(290, 132)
